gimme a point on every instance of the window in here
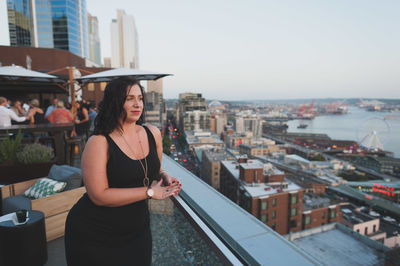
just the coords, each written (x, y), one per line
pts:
(374, 229)
(293, 199)
(293, 223)
(323, 215)
(358, 231)
(90, 86)
(307, 220)
(273, 226)
(274, 202)
(366, 231)
(293, 212)
(264, 205)
(333, 213)
(103, 86)
(264, 218)
(273, 214)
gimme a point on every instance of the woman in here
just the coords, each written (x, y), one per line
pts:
(60, 115)
(82, 123)
(36, 113)
(110, 224)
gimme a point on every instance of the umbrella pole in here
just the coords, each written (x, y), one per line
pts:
(72, 90)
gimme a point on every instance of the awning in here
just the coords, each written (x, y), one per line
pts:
(108, 75)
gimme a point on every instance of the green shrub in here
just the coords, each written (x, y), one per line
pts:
(9, 148)
(35, 153)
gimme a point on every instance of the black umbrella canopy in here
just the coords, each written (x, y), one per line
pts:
(108, 75)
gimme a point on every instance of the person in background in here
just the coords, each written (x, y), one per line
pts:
(17, 108)
(82, 123)
(36, 113)
(6, 114)
(60, 115)
(92, 115)
(51, 107)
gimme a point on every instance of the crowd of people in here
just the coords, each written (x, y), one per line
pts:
(19, 112)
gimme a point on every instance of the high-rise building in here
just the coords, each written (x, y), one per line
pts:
(155, 105)
(124, 41)
(58, 24)
(193, 114)
(94, 39)
(20, 22)
(70, 26)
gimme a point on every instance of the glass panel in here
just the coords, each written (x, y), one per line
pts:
(175, 240)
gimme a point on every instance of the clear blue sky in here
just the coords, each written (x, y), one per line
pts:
(234, 49)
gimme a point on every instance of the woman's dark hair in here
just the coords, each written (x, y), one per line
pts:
(111, 108)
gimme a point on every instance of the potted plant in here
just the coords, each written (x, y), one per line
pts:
(23, 162)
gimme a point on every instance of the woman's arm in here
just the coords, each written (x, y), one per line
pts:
(94, 161)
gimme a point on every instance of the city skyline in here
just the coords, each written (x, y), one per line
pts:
(263, 50)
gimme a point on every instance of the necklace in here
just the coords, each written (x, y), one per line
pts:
(146, 181)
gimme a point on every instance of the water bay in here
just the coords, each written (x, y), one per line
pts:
(354, 125)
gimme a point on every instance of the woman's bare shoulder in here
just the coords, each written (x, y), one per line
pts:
(156, 132)
(97, 142)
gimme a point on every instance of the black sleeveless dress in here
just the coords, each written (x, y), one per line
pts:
(98, 235)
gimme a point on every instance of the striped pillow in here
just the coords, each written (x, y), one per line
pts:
(45, 187)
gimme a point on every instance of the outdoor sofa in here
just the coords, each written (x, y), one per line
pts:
(55, 207)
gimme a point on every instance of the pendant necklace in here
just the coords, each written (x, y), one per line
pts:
(146, 180)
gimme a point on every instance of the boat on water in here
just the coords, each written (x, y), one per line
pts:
(302, 126)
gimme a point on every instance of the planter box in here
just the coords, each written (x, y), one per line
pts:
(11, 174)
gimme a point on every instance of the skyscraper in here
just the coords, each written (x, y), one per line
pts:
(70, 26)
(20, 22)
(58, 24)
(124, 41)
(94, 40)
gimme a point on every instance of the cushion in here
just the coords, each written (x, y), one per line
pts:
(45, 187)
(14, 203)
(60, 172)
(65, 173)
(73, 181)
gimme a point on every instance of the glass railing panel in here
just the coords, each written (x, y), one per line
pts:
(175, 240)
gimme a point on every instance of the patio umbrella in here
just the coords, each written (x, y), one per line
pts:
(109, 75)
(17, 78)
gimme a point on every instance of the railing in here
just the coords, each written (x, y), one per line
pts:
(235, 235)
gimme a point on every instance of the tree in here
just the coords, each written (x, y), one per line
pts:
(166, 145)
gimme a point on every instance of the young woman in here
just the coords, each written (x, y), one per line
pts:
(110, 224)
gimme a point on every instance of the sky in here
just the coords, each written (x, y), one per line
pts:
(262, 49)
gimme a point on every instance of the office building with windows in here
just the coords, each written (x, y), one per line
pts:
(60, 24)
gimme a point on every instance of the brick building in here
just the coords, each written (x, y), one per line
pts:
(263, 192)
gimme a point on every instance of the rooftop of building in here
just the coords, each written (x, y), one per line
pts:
(217, 154)
(297, 158)
(353, 214)
(252, 164)
(259, 190)
(202, 137)
(315, 201)
(335, 244)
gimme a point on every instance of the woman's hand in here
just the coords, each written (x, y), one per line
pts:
(161, 192)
